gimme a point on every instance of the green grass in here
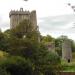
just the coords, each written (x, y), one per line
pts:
(68, 67)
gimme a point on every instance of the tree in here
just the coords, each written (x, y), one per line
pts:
(47, 38)
(36, 52)
(22, 29)
(52, 64)
(3, 42)
(58, 46)
(33, 55)
(3, 71)
(15, 65)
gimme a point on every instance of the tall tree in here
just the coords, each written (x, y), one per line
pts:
(22, 29)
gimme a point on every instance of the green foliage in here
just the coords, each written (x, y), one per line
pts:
(28, 56)
(68, 67)
(58, 46)
(3, 72)
(47, 38)
(53, 62)
(7, 32)
(17, 66)
(72, 45)
(3, 42)
(35, 52)
(22, 29)
(3, 55)
(25, 30)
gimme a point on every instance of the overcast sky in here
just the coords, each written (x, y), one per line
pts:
(54, 17)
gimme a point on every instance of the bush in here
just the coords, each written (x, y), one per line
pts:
(3, 72)
(16, 65)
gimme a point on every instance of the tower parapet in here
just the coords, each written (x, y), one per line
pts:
(20, 12)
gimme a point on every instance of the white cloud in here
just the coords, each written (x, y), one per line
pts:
(58, 25)
(55, 22)
(62, 21)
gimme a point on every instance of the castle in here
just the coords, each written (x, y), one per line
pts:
(18, 16)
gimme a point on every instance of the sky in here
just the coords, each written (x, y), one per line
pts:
(54, 17)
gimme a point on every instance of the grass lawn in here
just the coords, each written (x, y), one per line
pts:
(69, 67)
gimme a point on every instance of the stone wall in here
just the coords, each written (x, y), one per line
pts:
(17, 16)
(66, 50)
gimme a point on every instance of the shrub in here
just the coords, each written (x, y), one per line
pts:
(16, 65)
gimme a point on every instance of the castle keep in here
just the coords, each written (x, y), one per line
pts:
(18, 16)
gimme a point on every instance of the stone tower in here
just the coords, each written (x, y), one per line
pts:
(18, 16)
(66, 50)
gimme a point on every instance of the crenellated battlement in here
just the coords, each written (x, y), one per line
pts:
(19, 12)
(16, 16)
